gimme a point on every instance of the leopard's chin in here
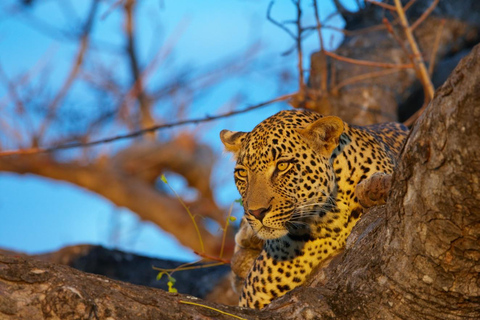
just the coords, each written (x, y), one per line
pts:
(267, 233)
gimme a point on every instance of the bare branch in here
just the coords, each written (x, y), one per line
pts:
(301, 80)
(137, 89)
(73, 72)
(424, 15)
(419, 64)
(323, 85)
(146, 119)
(436, 44)
(364, 76)
(143, 131)
(383, 5)
(369, 63)
(20, 109)
(112, 7)
(408, 5)
(390, 30)
(278, 24)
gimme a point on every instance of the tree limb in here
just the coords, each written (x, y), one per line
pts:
(128, 180)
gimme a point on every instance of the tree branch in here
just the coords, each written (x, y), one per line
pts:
(144, 131)
(120, 180)
(72, 76)
(146, 119)
(417, 55)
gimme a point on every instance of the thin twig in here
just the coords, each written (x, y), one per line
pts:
(383, 5)
(224, 235)
(369, 63)
(136, 90)
(78, 61)
(298, 38)
(15, 97)
(144, 102)
(353, 32)
(364, 76)
(410, 121)
(301, 81)
(278, 24)
(436, 44)
(390, 29)
(424, 15)
(183, 268)
(211, 308)
(192, 217)
(331, 16)
(408, 5)
(366, 29)
(213, 258)
(419, 64)
(143, 131)
(112, 7)
(323, 85)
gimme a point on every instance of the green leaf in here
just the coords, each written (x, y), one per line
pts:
(239, 201)
(160, 275)
(232, 219)
(170, 286)
(164, 179)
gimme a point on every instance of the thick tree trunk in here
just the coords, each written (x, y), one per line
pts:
(417, 257)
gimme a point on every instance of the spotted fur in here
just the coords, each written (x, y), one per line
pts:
(297, 172)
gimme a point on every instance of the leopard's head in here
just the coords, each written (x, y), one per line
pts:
(284, 172)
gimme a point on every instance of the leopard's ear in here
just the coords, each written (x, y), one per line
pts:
(232, 140)
(324, 134)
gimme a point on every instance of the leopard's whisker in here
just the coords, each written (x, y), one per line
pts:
(315, 208)
(295, 223)
(305, 216)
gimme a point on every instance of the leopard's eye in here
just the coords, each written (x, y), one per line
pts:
(282, 166)
(241, 173)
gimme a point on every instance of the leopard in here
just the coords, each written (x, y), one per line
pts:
(296, 173)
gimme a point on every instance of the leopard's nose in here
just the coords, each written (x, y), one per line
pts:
(259, 213)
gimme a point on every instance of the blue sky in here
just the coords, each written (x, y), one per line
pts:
(39, 215)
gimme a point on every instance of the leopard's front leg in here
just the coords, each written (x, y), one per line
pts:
(283, 265)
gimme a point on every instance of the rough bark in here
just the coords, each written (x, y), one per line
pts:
(417, 257)
(434, 216)
(32, 289)
(136, 269)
